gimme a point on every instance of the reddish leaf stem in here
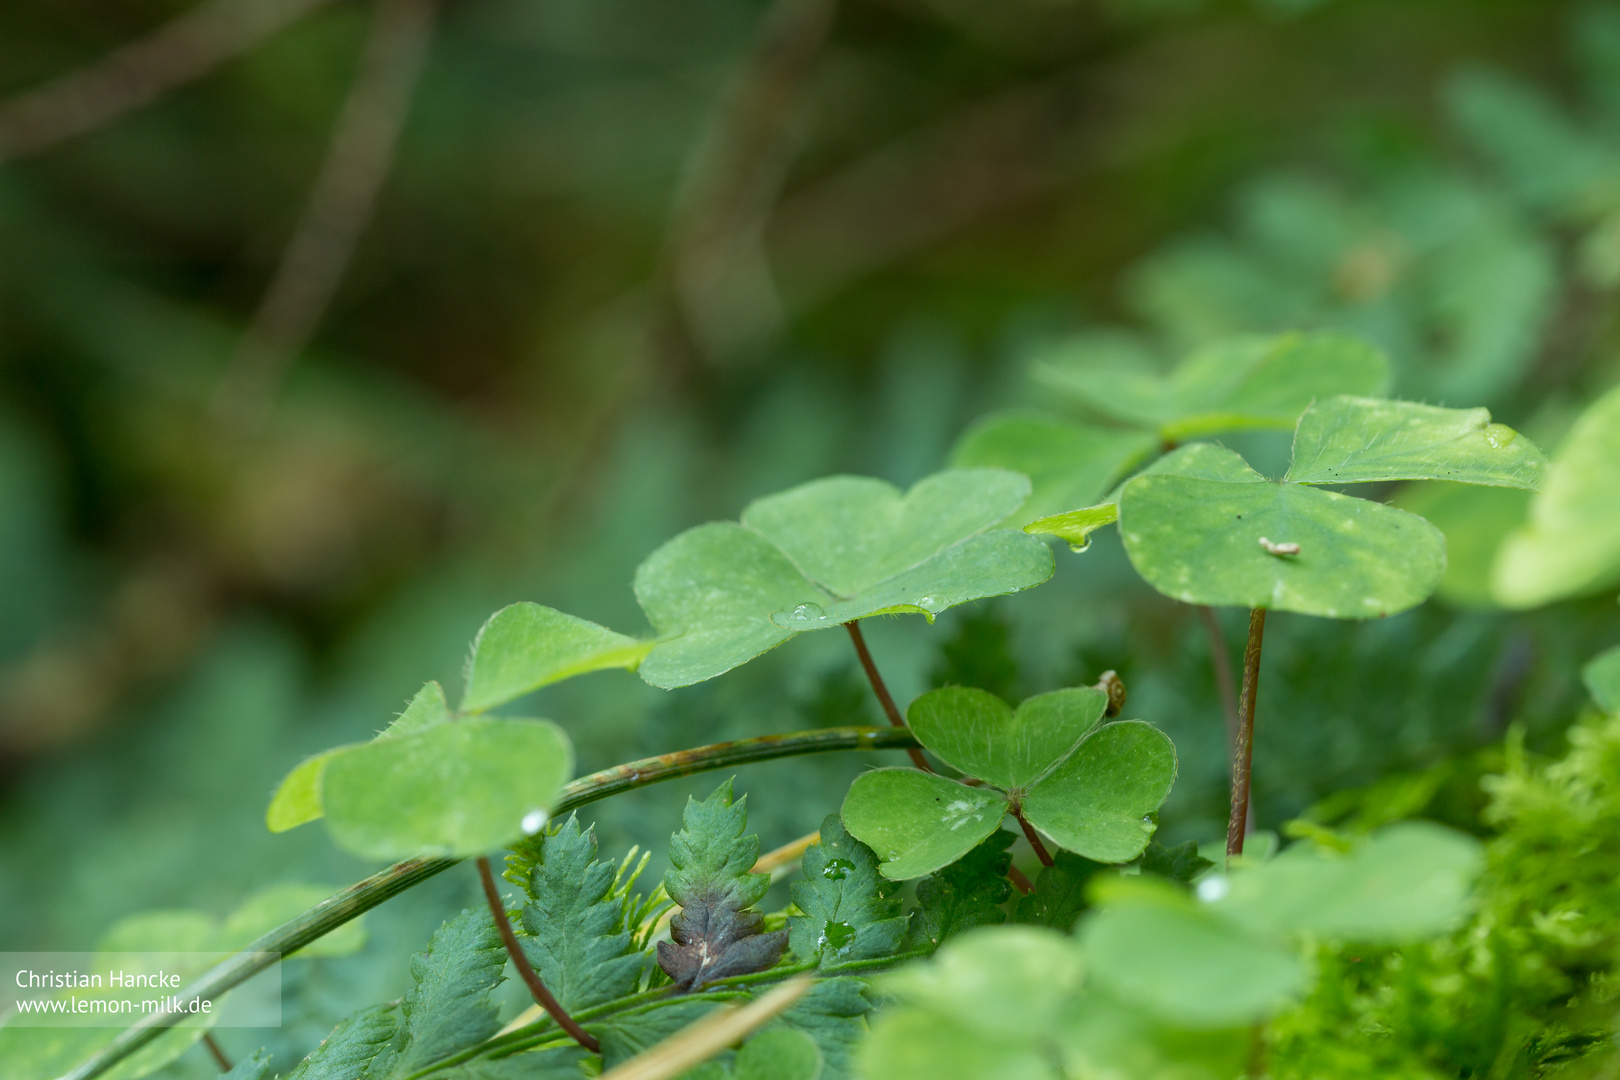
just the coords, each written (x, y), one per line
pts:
(890, 709)
(220, 1059)
(1033, 837)
(542, 996)
(1243, 746)
(1019, 880)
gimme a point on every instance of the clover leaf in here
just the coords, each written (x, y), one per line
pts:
(1351, 440)
(1089, 788)
(526, 646)
(827, 553)
(1251, 382)
(435, 782)
(1201, 526)
(1257, 544)
(453, 789)
(1067, 462)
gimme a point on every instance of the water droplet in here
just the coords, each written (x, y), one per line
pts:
(838, 935)
(932, 604)
(1499, 435)
(1213, 888)
(806, 613)
(837, 869)
(1078, 546)
(534, 821)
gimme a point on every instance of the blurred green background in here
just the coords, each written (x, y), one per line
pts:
(631, 263)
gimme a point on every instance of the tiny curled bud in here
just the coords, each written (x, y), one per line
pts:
(1279, 549)
(1111, 684)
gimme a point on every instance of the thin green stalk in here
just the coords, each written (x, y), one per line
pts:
(361, 897)
(1243, 748)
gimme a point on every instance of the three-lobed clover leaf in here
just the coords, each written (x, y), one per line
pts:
(1089, 788)
(1200, 525)
(438, 782)
(1255, 382)
(826, 553)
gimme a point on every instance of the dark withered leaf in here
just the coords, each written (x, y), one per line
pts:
(1181, 863)
(1060, 892)
(715, 934)
(967, 893)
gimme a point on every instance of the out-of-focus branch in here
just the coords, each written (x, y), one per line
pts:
(715, 275)
(140, 72)
(358, 159)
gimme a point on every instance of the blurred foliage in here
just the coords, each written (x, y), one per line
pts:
(634, 265)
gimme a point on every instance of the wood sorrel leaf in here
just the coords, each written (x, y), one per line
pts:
(1204, 460)
(297, 800)
(1354, 440)
(979, 734)
(1241, 383)
(1097, 801)
(826, 553)
(453, 789)
(526, 646)
(1283, 546)
(917, 822)
(1155, 948)
(1068, 464)
(1571, 544)
(1602, 677)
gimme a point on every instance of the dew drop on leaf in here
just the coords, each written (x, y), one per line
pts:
(837, 869)
(932, 604)
(1213, 888)
(534, 821)
(806, 613)
(837, 935)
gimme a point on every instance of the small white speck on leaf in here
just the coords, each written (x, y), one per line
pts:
(1280, 550)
